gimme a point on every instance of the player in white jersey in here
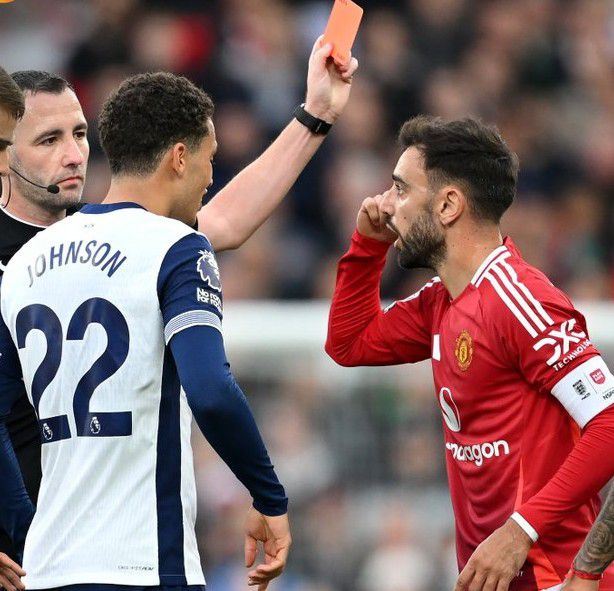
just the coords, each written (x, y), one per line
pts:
(48, 163)
(114, 316)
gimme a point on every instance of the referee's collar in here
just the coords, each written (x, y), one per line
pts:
(107, 207)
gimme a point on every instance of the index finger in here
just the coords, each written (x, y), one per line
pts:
(344, 66)
(278, 563)
(464, 578)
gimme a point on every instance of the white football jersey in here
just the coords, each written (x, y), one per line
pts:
(91, 304)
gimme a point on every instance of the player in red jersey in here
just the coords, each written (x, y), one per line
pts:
(525, 396)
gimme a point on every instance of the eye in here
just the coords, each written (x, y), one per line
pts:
(399, 189)
(49, 141)
(80, 135)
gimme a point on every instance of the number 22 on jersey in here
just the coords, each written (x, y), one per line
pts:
(88, 422)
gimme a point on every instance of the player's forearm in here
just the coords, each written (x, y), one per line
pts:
(246, 202)
(356, 303)
(597, 552)
(224, 417)
(582, 475)
(16, 509)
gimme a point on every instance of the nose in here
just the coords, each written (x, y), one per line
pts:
(73, 154)
(387, 204)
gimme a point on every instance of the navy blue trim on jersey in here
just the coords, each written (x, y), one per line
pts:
(16, 509)
(223, 415)
(171, 564)
(189, 287)
(107, 207)
(107, 587)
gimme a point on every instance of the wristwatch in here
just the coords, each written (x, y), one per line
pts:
(313, 124)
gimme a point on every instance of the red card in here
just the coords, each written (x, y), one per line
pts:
(342, 28)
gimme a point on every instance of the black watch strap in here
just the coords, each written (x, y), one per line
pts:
(313, 124)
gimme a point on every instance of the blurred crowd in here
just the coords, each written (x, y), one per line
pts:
(542, 70)
(364, 464)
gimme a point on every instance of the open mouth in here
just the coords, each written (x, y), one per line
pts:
(398, 243)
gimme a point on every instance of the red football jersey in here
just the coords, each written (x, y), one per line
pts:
(516, 377)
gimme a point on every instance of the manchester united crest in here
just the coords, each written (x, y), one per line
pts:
(464, 350)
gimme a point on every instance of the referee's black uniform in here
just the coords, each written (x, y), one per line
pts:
(22, 423)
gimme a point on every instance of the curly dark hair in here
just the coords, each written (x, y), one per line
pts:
(470, 153)
(11, 98)
(146, 115)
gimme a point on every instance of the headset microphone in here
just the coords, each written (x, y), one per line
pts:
(54, 189)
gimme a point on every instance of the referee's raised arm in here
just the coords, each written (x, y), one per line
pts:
(247, 201)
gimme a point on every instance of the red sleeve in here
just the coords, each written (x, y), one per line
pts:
(359, 331)
(583, 474)
(542, 332)
(546, 338)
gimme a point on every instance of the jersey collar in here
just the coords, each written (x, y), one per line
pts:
(507, 246)
(107, 207)
(18, 219)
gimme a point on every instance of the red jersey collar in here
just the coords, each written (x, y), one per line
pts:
(507, 246)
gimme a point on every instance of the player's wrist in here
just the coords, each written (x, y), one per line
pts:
(578, 572)
(579, 581)
(525, 526)
(369, 245)
(271, 506)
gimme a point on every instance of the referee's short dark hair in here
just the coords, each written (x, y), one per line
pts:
(11, 98)
(147, 115)
(35, 81)
(470, 153)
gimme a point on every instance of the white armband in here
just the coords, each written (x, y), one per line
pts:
(525, 525)
(586, 391)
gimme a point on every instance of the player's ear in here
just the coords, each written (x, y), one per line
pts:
(178, 154)
(450, 204)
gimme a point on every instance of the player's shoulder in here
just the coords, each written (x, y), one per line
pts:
(513, 289)
(138, 221)
(430, 292)
(506, 274)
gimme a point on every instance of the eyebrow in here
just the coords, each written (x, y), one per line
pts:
(58, 131)
(397, 179)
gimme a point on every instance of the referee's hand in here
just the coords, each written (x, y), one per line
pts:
(328, 84)
(274, 533)
(10, 574)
